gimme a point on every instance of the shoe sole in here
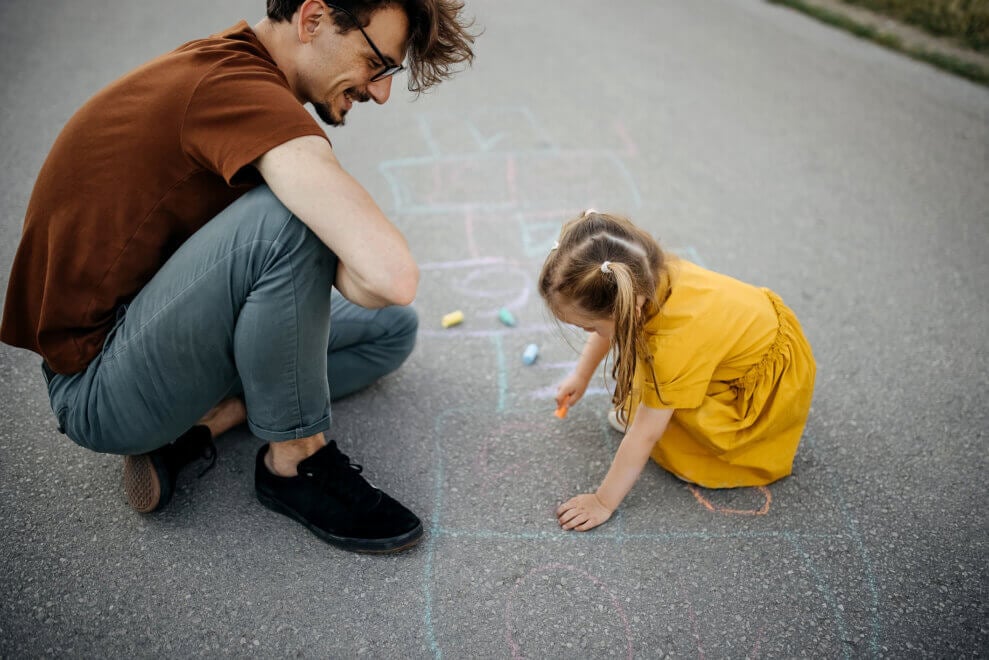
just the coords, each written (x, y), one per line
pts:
(617, 424)
(141, 483)
(366, 546)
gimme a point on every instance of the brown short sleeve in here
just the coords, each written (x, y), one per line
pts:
(237, 113)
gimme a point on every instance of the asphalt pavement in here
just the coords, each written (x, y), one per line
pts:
(851, 180)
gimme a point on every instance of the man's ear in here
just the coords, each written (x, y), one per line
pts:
(311, 14)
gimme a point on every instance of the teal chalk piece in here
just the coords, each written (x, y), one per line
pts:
(530, 354)
(506, 317)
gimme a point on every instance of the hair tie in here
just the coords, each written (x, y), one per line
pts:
(556, 244)
(589, 211)
(605, 267)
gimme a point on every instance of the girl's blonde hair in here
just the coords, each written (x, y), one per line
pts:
(602, 264)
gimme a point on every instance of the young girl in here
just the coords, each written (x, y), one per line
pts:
(713, 376)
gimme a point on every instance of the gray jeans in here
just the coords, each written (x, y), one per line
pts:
(243, 308)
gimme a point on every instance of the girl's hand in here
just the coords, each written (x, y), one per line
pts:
(582, 512)
(570, 390)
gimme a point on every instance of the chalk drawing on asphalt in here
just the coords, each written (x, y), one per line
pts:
(494, 177)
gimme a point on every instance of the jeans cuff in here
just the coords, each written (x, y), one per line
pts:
(293, 434)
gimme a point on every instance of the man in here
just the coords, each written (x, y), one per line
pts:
(179, 247)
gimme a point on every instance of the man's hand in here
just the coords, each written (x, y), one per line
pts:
(582, 512)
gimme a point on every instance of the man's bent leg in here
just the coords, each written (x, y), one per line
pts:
(243, 305)
(366, 344)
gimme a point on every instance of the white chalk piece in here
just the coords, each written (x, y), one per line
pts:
(530, 354)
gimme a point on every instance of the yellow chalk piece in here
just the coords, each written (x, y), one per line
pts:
(453, 318)
(561, 412)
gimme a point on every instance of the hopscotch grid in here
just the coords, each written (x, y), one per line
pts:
(427, 135)
(416, 161)
(869, 573)
(390, 170)
(502, 372)
(425, 126)
(615, 533)
(826, 593)
(619, 536)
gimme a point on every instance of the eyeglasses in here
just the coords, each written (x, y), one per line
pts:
(387, 69)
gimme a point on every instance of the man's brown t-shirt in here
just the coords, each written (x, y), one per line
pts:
(135, 172)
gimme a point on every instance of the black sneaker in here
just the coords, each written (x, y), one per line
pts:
(332, 499)
(149, 479)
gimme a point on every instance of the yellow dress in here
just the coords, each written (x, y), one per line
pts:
(733, 362)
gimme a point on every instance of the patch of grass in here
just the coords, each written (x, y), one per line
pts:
(949, 63)
(973, 72)
(964, 20)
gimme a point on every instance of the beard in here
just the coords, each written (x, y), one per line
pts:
(325, 112)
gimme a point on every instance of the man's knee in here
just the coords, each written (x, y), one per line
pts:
(273, 220)
(407, 324)
(260, 218)
(261, 201)
(404, 326)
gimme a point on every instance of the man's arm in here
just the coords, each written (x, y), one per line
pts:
(377, 268)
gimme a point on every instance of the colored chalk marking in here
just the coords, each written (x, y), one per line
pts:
(506, 317)
(453, 318)
(737, 512)
(510, 170)
(530, 354)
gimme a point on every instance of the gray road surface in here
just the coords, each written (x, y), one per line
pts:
(850, 179)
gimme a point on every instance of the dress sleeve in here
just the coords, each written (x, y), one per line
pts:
(682, 370)
(238, 112)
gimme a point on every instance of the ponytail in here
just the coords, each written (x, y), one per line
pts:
(629, 342)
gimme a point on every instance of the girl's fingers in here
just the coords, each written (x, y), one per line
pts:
(566, 506)
(583, 527)
(569, 515)
(577, 521)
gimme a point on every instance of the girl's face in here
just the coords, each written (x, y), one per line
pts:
(574, 315)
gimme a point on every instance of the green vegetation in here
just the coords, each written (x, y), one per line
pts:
(964, 20)
(978, 25)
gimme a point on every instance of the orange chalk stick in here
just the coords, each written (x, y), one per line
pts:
(561, 412)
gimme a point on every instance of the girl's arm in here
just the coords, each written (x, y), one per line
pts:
(595, 348)
(589, 510)
(573, 386)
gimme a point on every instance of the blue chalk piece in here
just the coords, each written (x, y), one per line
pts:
(506, 317)
(530, 354)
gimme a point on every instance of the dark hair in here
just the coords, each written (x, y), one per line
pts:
(573, 273)
(439, 38)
